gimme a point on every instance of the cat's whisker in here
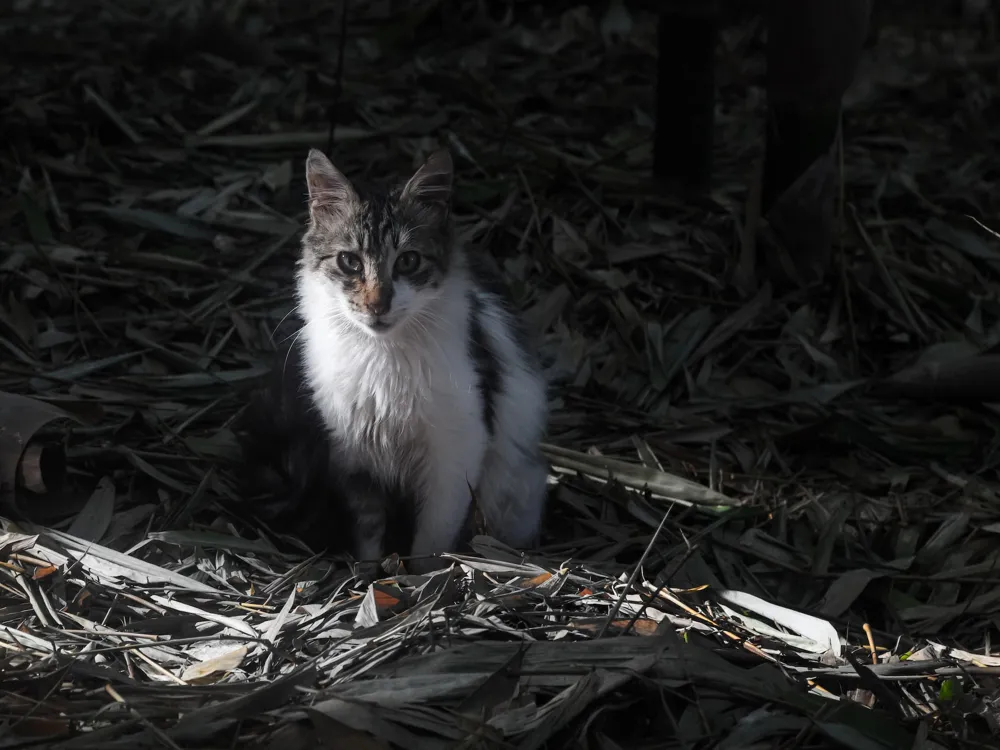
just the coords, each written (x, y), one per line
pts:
(292, 335)
(283, 319)
(284, 366)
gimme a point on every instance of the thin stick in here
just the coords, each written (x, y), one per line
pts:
(635, 573)
(338, 77)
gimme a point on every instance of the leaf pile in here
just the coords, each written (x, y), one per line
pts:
(486, 652)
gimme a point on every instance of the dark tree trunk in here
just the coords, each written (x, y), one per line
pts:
(685, 93)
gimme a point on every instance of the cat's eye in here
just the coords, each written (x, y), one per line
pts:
(408, 262)
(349, 262)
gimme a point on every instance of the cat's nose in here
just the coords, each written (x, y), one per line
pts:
(379, 304)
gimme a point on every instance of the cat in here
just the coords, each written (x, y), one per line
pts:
(417, 365)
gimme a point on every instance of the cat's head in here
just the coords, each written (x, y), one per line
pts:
(376, 258)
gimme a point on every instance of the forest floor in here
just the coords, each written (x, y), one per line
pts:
(775, 510)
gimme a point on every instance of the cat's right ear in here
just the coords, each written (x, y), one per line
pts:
(329, 190)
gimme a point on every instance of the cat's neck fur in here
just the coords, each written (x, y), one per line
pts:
(369, 388)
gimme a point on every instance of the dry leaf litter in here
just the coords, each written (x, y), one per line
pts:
(775, 511)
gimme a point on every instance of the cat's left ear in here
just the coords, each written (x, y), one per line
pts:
(431, 185)
(329, 190)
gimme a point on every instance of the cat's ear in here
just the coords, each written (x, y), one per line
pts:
(431, 185)
(329, 190)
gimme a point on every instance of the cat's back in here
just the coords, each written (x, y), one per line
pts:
(511, 379)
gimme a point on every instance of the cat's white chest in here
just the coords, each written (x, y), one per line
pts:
(389, 404)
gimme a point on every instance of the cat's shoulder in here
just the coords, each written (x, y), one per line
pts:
(487, 280)
(496, 302)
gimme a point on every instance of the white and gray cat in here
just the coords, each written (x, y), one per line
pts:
(417, 365)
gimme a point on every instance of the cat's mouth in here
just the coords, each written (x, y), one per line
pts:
(378, 325)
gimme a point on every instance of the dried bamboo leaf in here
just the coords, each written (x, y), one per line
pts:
(636, 476)
(820, 632)
(94, 519)
(105, 562)
(211, 669)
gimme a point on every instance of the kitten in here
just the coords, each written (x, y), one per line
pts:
(417, 365)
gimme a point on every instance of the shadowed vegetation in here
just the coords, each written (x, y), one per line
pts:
(798, 547)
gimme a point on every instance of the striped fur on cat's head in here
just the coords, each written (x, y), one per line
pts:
(382, 254)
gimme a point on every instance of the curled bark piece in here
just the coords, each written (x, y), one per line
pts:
(42, 467)
(20, 464)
